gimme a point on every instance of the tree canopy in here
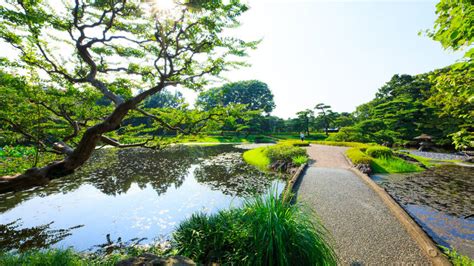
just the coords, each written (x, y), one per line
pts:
(123, 50)
(253, 93)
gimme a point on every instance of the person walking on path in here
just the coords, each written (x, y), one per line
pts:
(302, 136)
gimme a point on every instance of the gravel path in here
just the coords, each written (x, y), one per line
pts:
(363, 228)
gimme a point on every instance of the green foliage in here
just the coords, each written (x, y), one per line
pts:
(48, 257)
(379, 151)
(292, 235)
(358, 157)
(296, 143)
(300, 160)
(453, 27)
(254, 94)
(284, 152)
(380, 159)
(463, 139)
(456, 258)
(393, 165)
(257, 157)
(16, 159)
(345, 144)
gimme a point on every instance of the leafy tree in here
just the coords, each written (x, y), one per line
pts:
(305, 118)
(122, 49)
(165, 99)
(324, 112)
(452, 93)
(253, 93)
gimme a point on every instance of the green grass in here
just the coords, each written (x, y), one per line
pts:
(264, 231)
(393, 165)
(381, 160)
(296, 136)
(257, 157)
(379, 151)
(358, 157)
(456, 258)
(344, 144)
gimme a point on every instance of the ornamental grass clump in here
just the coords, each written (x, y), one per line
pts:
(264, 231)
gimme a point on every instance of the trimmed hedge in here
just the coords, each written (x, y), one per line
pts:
(379, 151)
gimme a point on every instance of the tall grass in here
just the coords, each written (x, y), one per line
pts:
(264, 231)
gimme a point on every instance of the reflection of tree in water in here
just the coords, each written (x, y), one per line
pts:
(13, 237)
(228, 173)
(113, 171)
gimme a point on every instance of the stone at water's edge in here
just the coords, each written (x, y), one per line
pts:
(151, 259)
(364, 168)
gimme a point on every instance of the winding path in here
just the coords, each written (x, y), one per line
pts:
(364, 230)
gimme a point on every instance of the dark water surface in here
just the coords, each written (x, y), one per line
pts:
(441, 200)
(129, 193)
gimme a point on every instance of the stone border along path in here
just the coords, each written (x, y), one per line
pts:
(364, 230)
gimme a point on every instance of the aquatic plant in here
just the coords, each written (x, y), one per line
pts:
(264, 231)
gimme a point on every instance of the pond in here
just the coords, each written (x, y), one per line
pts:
(129, 194)
(441, 200)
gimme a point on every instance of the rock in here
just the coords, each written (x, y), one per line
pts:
(469, 160)
(282, 166)
(364, 168)
(148, 259)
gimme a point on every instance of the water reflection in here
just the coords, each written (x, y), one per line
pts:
(137, 192)
(14, 237)
(441, 200)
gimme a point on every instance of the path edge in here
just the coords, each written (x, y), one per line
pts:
(416, 232)
(288, 192)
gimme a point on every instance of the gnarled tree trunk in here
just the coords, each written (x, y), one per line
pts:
(75, 158)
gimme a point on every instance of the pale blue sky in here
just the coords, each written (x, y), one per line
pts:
(338, 53)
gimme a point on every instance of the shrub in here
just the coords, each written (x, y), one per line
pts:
(358, 157)
(284, 152)
(379, 151)
(264, 231)
(300, 160)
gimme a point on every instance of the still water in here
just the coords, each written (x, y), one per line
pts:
(129, 194)
(441, 200)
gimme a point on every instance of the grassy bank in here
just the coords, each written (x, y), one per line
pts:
(380, 159)
(263, 157)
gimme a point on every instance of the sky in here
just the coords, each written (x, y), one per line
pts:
(335, 52)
